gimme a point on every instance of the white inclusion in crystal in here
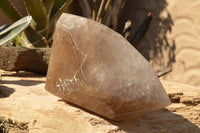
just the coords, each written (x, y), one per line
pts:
(81, 84)
(78, 25)
(60, 79)
(129, 84)
(67, 84)
(73, 80)
(102, 77)
(58, 86)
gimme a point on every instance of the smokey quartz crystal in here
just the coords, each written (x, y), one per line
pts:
(97, 69)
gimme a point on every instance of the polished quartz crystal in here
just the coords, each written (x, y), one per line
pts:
(97, 69)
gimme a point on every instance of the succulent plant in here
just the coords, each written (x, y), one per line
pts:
(9, 32)
(44, 16)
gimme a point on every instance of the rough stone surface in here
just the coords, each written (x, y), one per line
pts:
(23, 99)
(23, 59)
(97, 69)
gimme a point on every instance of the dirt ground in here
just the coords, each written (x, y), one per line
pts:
(27, 107)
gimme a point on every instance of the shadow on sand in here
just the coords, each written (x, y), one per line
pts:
(159, 121)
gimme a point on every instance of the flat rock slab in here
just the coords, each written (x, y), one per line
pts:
(24, 99)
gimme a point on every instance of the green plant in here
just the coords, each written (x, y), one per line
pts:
(44, 16)
(100, 14)
(108, 12)
(9, 32)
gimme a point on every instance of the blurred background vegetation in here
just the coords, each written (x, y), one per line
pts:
(123, 16)
(45, 14)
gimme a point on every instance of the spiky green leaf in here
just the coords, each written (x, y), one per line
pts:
(8, 9)
(34, 38)
(62, 8)
(37, 10)
(59, 7)
(12, 31)
(48, 5)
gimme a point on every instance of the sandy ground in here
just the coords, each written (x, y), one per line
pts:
(27, 107)
(185, 32)
(173, 38)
